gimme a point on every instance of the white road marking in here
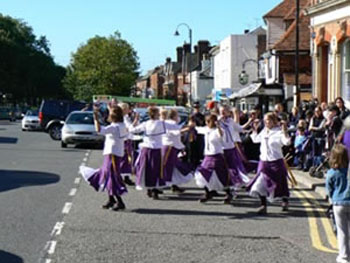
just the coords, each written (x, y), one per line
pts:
(73, 191)
(48, 260)
(66, 208)
(85, 160)
(77, 180)
(57, 229)
(52, 247)
(87, 154)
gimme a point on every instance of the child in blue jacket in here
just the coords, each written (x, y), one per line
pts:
(338, 188)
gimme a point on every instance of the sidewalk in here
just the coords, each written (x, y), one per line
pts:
(316, 184)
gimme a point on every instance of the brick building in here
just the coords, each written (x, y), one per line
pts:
(330, 31)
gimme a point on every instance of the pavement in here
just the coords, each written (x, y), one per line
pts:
(316, 184)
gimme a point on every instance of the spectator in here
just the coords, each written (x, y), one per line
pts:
(294, 117)
(344, 112)
(324, 107)
(337, 186)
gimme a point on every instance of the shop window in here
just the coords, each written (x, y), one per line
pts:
(345, 89)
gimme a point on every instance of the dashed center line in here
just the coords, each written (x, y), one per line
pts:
(52, 247)
(57, 229)
(48, 260)
(77, 180)
(66, 208)
(73, 191)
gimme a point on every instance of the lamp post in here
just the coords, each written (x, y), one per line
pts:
(190, 64)
(244, 77)
(296, 88)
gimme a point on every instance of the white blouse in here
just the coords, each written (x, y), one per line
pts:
(213, 140)
(173, 138)
(116, 134)
(153, 132)
(271, 142)
(230, 130)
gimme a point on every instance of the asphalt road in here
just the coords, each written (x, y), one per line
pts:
(177, 228)
(48, 215)
(36, 176)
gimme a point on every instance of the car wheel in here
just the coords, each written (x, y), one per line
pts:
(63, 145)
(55, 132)
(23, 129)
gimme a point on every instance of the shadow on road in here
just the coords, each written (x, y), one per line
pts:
(10, 179)
(9, 258)
(9, 140)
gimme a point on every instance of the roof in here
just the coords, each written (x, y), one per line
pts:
(304, 79)
(287, 41)
(286, 9)
(281, 10)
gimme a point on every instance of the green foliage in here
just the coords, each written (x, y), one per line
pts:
(104, 65)
(27, 70)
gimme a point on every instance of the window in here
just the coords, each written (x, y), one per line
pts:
(345, 88)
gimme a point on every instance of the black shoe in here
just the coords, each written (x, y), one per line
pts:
(155, 194)
(228, 199)
(206, 197)
(109, 204)
(285, 206)
(177, 189)
(158, 191)
(149, 193)
(128, 181)
(262, 210)
(118, 206)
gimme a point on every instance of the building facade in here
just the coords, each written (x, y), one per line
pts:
(330, 40)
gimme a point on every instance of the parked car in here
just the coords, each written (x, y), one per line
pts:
(183, 113)
(79, 128)
(30, 121)
(53, 112)
(6, 114)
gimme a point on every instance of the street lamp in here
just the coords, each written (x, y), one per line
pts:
(243, 76)
(190, 64)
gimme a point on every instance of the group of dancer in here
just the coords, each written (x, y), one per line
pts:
(158, 165)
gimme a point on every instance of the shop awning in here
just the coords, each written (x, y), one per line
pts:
(249, 90)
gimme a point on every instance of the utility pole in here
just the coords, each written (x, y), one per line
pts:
(296, 88)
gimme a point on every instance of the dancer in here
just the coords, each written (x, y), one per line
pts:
(108, 177)
(176, 172)
(149, 168)
(128, 158)
(213, 173)
(232, 156)
(271, 178)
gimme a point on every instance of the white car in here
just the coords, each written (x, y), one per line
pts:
(30, 121)
(79, 128)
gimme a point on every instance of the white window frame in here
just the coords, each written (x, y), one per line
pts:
(345, 87)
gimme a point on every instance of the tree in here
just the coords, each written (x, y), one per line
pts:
(104, 65)
(27, 69)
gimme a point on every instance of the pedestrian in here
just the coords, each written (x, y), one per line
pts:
(213, 173)
(127, 161)
(271, 179)
(108, 178)
(338, 188)
(196, 147)
(149, 163)
(176, 172)
(233, 156)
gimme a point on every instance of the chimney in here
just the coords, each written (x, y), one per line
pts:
(203, 48)
(168, 60)
(179, 53)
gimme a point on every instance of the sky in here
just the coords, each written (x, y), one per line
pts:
(149, 25)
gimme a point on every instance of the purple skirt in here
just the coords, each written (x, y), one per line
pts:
(148, 169)
(126, 161)
(248, 165)
(175, 171)
(271, 180)
(213, 173)
(235, 167)
(107, 178)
